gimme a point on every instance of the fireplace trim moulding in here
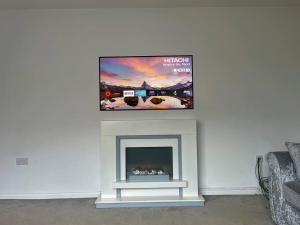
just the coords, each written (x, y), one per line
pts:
(151, 184)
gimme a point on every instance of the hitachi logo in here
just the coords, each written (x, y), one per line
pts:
(176, 60)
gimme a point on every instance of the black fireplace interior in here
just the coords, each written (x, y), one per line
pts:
(149, 163)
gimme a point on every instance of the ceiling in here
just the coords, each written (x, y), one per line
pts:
(76, 4)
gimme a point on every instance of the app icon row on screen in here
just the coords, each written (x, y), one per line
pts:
(142, 93)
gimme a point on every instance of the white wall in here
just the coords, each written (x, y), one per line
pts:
(246, 82)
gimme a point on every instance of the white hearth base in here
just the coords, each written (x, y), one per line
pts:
(131, 202)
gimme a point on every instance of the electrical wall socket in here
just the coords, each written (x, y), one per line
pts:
(21, 161)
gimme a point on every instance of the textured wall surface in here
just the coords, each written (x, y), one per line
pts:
(246, 83)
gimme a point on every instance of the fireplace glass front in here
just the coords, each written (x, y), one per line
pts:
(149, 163)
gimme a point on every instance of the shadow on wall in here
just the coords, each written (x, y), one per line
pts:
(200, 159)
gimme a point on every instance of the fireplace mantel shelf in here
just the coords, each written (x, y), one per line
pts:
(158, 184)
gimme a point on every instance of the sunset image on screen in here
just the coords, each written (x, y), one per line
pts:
(146, 82)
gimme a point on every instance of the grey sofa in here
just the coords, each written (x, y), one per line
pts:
(284, 188)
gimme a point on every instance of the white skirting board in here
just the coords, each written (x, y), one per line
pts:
(61, 195)
(230, 191)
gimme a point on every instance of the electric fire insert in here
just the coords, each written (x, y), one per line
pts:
(149, 163)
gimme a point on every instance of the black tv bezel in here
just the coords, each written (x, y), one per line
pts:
(116, 110)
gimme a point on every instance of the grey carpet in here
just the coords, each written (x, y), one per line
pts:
(219, 210)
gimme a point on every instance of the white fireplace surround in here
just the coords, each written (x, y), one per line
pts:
(116, 191)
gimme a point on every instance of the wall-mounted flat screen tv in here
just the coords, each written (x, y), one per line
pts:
(146, 82)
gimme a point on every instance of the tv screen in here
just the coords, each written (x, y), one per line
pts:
(146, 82)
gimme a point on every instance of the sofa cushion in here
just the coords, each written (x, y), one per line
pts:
(294, 150)
(291, 193)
